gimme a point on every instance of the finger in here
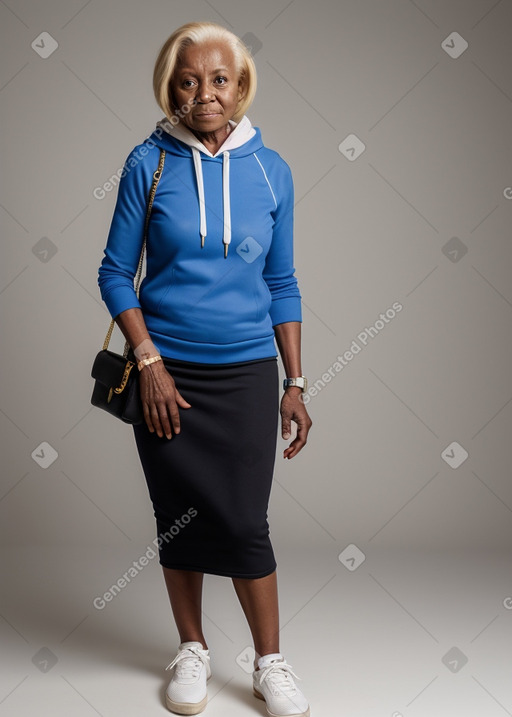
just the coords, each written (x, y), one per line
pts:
(302, 431)
(292, 449)
(297, 444)
(145, 406)
(182, 401)
(155, 419)
(147, 418)
(285, 426)
(164, 420)
(172, 407)
(300, 440)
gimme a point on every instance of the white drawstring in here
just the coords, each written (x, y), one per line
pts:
(200, 188)
(226, 238)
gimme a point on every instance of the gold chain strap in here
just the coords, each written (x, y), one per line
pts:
(156, 178)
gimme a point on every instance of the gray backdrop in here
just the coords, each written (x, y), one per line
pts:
(395, 119)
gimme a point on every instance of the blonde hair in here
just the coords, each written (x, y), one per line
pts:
(196, 33)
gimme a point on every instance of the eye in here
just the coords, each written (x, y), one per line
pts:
(185, 83)
(222, 78)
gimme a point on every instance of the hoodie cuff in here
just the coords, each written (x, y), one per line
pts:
(121, 299)
(288, 308)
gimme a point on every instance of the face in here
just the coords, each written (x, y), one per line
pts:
(206, 80)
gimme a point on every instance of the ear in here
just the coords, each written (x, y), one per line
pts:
(242, 85)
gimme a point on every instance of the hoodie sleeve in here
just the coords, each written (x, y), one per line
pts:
(279, 270)
(124, 242)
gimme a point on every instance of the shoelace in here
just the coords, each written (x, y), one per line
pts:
(188, 664)
(279, 674)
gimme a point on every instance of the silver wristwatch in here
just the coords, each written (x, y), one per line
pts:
(300, 381)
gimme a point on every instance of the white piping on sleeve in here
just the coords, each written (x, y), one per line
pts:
(265, 175)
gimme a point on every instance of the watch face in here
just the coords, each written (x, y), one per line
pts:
(299, 381)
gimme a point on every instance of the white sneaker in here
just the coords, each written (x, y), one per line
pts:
(186, 692)
(273, 682)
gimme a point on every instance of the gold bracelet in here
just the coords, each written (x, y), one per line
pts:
(147, 362)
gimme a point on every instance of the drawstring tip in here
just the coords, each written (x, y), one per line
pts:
(202, 241)
(225, 250)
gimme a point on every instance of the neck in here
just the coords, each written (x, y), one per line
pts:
(214, 139)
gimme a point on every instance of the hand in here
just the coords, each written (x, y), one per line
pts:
(293, 409)
(160, 400)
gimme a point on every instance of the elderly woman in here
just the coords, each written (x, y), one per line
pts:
(219, 288)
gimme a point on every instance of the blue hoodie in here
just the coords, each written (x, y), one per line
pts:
(198, 304)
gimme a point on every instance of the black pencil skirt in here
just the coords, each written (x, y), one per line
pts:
(210, 484)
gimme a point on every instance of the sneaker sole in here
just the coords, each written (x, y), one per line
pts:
(185, 708)
(272, 714)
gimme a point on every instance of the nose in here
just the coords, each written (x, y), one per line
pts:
(203, 94)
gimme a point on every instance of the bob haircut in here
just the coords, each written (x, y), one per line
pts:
(197, 33)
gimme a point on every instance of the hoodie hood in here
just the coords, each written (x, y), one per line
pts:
(241, 133)
(244, 139)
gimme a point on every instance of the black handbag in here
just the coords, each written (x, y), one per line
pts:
(116, 378)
